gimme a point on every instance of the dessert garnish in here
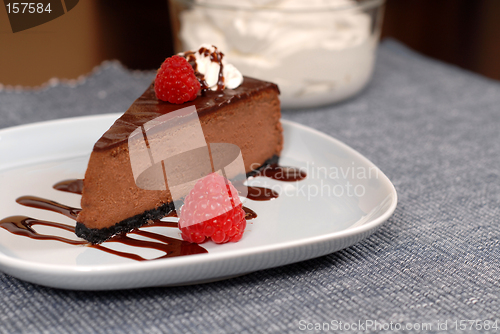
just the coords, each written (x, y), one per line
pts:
(181, 77)
(176, 82)
(212, 70)
(212, 210)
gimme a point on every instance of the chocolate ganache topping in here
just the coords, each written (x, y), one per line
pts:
(148, 107)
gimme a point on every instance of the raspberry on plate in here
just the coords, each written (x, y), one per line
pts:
(212, 210)
(175, 81)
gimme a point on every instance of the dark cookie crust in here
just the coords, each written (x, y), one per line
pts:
(97, 236)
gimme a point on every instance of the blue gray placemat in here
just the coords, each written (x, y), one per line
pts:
(432, 128)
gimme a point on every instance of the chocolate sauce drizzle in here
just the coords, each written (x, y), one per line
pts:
(283, 173)
(70, 186)
(257, 193)
(23, 225)
(172, 247)
(215, 57)
(45, 204)
(249, 213)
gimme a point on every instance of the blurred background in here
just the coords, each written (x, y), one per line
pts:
(138, 34)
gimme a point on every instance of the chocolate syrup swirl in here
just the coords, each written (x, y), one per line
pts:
(162, 223)
(23, 225)
(170, 246)
(70, 186)
(45, 204)
(157, 222)
(257, 193)
(276, 172)
(249, 213)
(283, 173)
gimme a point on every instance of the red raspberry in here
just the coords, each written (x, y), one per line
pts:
(175, 81)
(212, 209)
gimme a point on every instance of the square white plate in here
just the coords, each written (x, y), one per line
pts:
(344, 199)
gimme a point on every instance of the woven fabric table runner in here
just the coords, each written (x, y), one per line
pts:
(433, 129)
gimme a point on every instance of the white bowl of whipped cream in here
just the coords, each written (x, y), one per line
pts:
(318, 51)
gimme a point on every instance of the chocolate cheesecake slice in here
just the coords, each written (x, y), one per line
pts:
(247, 116)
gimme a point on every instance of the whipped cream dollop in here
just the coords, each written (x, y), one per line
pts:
(317, 51)
(212, 69)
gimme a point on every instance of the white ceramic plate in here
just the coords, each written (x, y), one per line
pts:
(344, 199)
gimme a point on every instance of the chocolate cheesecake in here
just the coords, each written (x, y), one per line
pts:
(112, 203)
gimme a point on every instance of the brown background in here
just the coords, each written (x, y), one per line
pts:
(462, 32)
